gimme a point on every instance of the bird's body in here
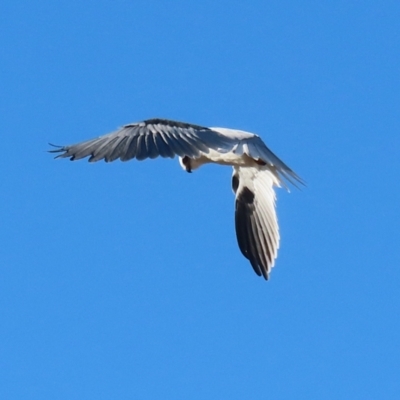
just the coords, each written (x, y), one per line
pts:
(256, 170)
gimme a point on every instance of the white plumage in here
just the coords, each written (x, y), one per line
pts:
(256, 170)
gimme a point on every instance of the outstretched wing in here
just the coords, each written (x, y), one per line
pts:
(256, 148)
(256, 223)
(246, 143)
(148, 139)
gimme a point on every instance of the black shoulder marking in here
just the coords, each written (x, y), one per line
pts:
(260, 162)
(235, 183)
(246, 195)
(177, 124)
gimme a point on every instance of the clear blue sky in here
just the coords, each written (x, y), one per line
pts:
(124, 280)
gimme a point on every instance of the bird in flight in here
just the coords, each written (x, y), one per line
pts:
(256, 170)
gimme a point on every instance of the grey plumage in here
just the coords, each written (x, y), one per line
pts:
(147, 139)
(256, 171)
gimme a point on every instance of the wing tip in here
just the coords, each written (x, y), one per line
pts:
(58, 149)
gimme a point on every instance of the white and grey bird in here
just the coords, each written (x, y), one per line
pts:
(256, 170)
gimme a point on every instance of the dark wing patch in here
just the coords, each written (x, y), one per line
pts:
(168, 122)
(246, 196)
(235, 182)
(148, 139)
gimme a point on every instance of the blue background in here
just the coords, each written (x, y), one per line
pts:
(124, 280)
